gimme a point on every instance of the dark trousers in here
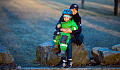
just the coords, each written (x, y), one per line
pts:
(69, 48)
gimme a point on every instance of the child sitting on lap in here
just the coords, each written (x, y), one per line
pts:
(62, 38)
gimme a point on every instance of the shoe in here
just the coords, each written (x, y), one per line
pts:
(69, 63)
(62, 64)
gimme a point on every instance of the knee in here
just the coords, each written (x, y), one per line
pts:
(64, 39)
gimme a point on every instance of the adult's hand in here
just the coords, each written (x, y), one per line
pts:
(66, 30)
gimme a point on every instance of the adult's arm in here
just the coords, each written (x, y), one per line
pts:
(59, 23)
(79, 27)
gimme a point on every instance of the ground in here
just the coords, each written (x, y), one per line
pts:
(26, 23)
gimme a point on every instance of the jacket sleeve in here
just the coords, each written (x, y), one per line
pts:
(59, 23)
(74, 26)
(79, 27)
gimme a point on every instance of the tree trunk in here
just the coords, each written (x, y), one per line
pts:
(82, 4)
(116, 7)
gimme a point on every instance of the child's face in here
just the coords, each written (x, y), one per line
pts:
(66, 19)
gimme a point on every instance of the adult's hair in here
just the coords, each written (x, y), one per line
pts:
(74, 6)
(76, 17)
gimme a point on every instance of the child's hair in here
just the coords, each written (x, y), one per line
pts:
(63, 17)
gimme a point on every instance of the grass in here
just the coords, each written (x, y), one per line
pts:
(26, 23)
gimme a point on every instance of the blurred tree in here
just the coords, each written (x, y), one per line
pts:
(116, 7)
(82, 4)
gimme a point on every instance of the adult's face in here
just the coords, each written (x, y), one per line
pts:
(74, 11)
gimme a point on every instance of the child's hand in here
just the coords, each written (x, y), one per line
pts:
(58, 26)
(63, 29)
(66, 30)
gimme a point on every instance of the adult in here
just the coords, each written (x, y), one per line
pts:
(77, 37)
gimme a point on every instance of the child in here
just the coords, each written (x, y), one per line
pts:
(62, 38)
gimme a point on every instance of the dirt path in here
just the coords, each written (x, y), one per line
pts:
(26, 23)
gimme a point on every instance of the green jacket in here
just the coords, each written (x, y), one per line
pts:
(70, 24)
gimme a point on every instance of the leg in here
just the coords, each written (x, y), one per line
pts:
(62, 62)
(56, 39)
(69, 53)
(63, 47)
(69, 48)
(63, 44)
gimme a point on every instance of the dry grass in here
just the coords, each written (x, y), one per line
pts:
(26, 23)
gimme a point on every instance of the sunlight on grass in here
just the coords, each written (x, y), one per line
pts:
(27, 23)
(99, 28)
(96, 4)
